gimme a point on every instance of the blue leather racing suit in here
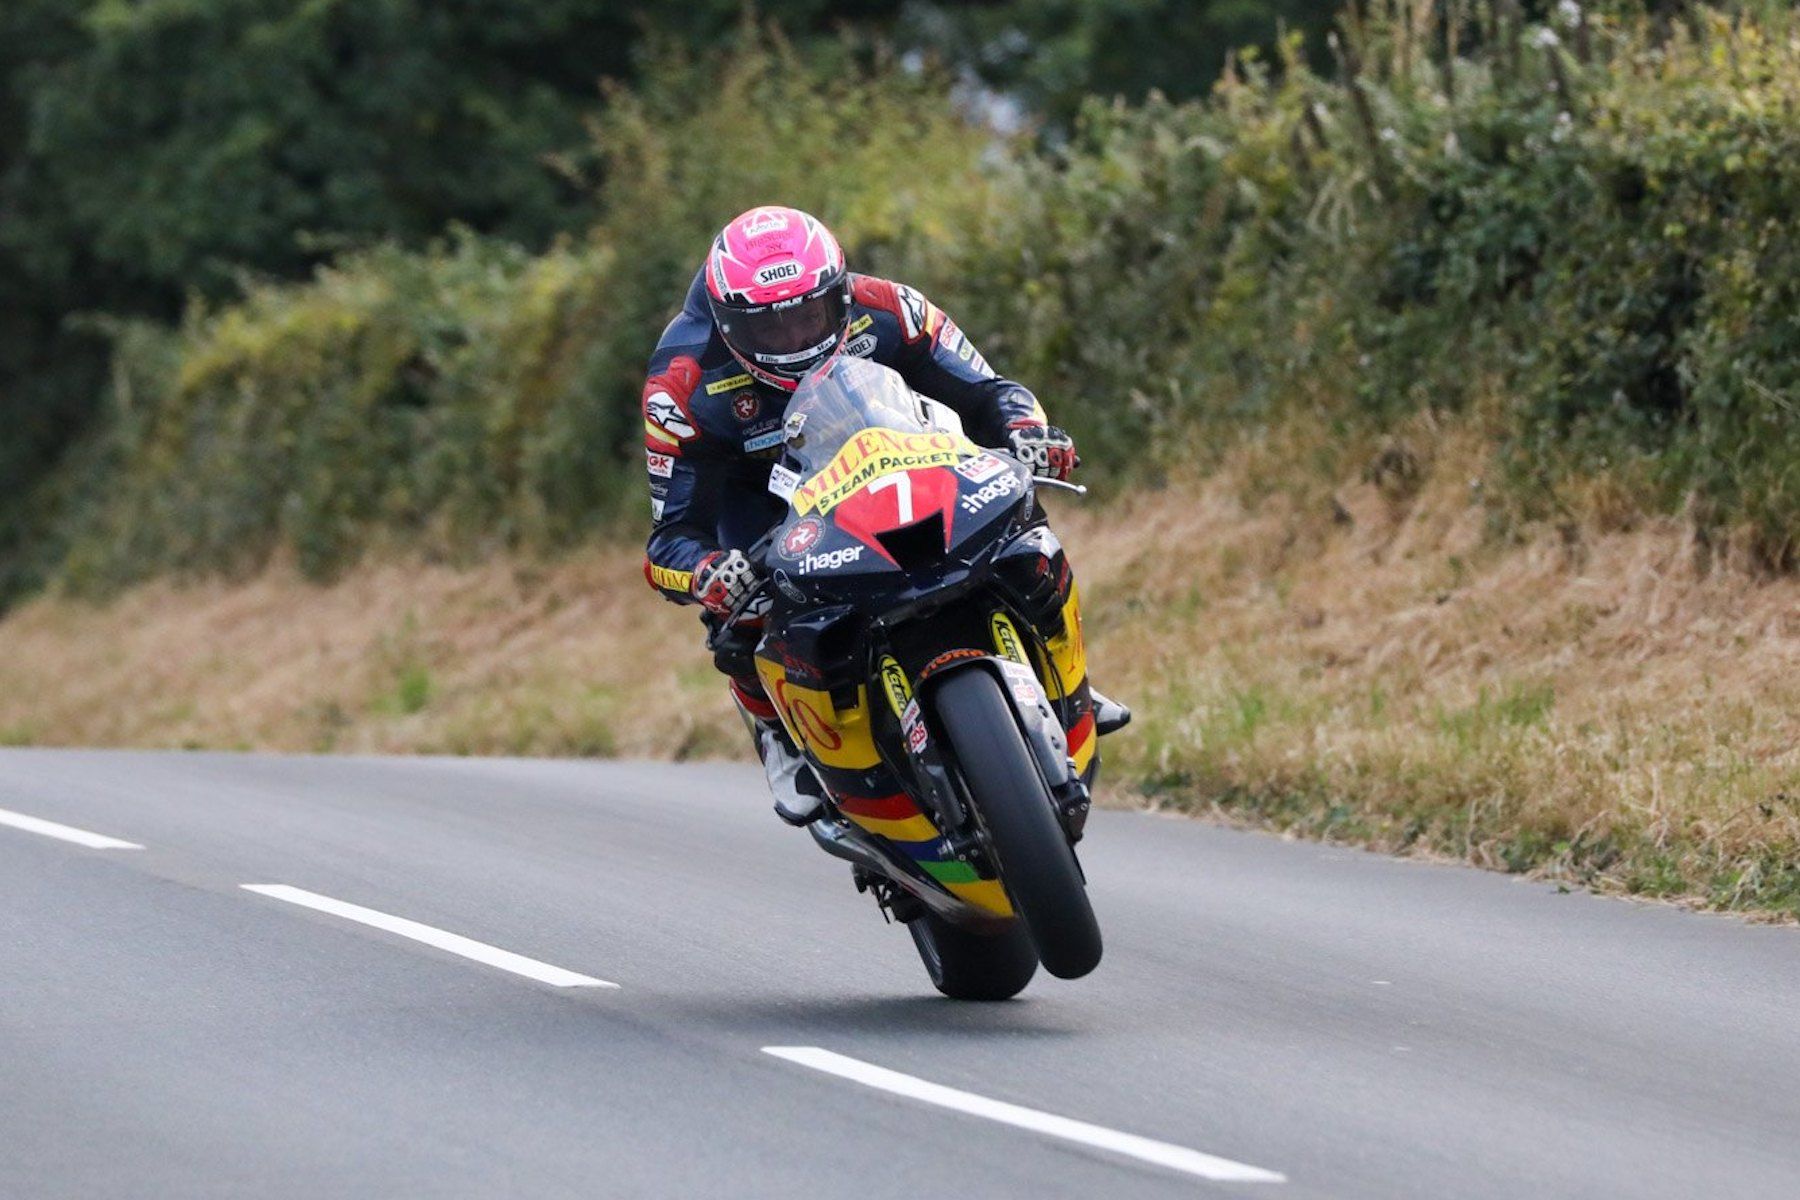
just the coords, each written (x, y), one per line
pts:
(712, 431)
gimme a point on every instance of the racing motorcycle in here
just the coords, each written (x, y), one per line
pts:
(921, 641)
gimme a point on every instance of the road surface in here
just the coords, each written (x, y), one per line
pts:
(471, 978)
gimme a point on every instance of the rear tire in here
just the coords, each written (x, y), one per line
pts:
(1036, 860)
(965, 965)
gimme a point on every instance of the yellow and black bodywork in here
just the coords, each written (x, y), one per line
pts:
(910, 555)
(874, 744)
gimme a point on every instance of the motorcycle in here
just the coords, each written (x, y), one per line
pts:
(920, 639)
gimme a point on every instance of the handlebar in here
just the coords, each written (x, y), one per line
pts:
(758, 554)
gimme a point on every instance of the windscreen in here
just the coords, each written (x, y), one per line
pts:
(840, 400)
(850, 423)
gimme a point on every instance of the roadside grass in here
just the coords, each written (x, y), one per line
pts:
(1608, 708)
(1614, 707)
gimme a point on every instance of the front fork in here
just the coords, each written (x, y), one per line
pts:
(1037, 717)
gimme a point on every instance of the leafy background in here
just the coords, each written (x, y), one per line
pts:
(1451, 344)
(323, 275)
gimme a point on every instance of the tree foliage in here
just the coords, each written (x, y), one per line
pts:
(1587, 222)
(1054, 54)
(156, 150)
(1587, 215)
(473, 394)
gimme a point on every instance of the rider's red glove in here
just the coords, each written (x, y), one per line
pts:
(1046, 451)
(722, 580)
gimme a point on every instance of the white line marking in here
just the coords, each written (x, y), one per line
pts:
(455, 943)
(68, 833)
(1163, 1154)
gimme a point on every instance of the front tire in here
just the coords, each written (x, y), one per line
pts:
(1036, 861)
(965, 965)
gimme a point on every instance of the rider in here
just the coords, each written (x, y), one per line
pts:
(773, 301)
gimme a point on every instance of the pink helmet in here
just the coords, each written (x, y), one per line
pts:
(779, 293)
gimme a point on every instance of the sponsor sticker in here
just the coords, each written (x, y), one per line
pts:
(782, 481)
(779, 272)
(729, 385)
(660, 465)
(763, 441)
(657, 503)
(915, 738)
(662, 414)
(764, 221)
(1006, 639)
(798, 356)
(1023, 684)
(893, 682)
(974, 502)
(820, 735)
(860, 347)
(831, 560)
(945, 659)
(912, 725)
(956, 342)
(672, 580)
(745, 406)
(801, 537)
(861, 323)
(914, 312)
(980, 469)
(868, 456)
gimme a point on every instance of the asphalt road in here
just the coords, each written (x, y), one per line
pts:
(1343, 1024)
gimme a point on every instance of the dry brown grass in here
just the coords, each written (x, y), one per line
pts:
(1619, 706)
(573, 658)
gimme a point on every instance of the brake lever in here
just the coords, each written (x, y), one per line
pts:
(1062, 484)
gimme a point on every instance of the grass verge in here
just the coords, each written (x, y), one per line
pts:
(1617, 708)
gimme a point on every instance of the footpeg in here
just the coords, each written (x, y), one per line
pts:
(1109, 715)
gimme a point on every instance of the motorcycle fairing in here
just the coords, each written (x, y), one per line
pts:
(946, 595)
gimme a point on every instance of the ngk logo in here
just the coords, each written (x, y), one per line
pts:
(831, 560)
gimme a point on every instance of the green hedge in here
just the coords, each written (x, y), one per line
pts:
(475, 396)
(1583, 225)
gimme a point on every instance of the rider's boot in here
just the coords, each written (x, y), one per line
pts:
(1109, 715)
(799, 798)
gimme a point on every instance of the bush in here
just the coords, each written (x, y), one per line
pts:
(1588, 218)
(475, 395)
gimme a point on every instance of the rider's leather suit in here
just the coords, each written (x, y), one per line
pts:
(711, 431)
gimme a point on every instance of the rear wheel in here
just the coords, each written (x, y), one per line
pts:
(965, 965)
(1036, 860)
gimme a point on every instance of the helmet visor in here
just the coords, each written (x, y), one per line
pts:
(792, 338)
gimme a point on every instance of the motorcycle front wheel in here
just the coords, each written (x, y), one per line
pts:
(1036, 861)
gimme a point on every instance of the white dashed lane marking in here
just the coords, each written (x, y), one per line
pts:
(1163, 1154)
(67, 833)
(455, 943)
